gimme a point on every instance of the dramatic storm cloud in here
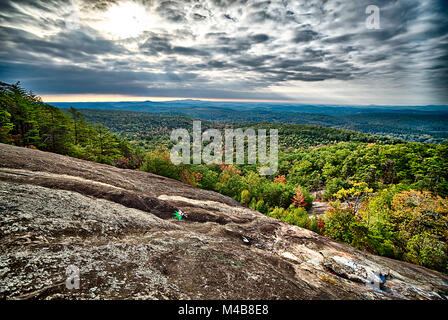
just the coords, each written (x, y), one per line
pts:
(315, 51)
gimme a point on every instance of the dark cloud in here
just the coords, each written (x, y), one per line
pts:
(48, 79)
(255, 61)
(73, 45)
(305, 36)
(158, 45)
(258, 38)
(171, 10)
(198, 17)
(75, 80)
(227, 16)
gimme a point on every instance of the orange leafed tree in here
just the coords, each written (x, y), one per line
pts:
(298, 200)
(197, 176)
(280, 179)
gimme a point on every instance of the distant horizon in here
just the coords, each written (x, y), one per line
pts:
(163, 99)
(177, 99)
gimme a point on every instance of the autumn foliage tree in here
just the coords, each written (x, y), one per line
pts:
(420, 219)
(280, 179)
(298, 200)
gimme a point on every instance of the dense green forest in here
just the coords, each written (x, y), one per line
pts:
(387, 196)
(27, 121)
(148, 130)
(427, 124)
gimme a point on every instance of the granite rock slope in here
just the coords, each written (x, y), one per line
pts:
(117, 227)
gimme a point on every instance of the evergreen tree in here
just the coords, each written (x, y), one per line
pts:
(78, 119)
(5, 125)
(107, 145)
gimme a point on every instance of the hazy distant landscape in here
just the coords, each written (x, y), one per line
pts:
(413, 123)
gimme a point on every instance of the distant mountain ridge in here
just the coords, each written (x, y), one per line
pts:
(413, 123)
(245, 106)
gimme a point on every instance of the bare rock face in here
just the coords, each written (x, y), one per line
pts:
(117, 227)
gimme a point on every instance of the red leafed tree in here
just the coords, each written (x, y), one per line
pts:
(280, 179)
(298, 200)
(197, 176)
(321, 225)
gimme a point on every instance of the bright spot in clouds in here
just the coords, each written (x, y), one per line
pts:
(124, 20)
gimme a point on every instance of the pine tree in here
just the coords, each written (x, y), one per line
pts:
(77, 118)
(106, 145)
(5, 125)
(22, 108)
(54, 129)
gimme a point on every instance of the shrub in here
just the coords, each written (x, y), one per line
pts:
(298, 217)
(231, 185)
(261, 207)
(424, 249)
(208, 179)
(278, 194)
(278, 213)
(337, 223)
(158, 162)
(332, 187)
(245, 197)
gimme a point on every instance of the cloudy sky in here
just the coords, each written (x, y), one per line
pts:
(314, 51)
